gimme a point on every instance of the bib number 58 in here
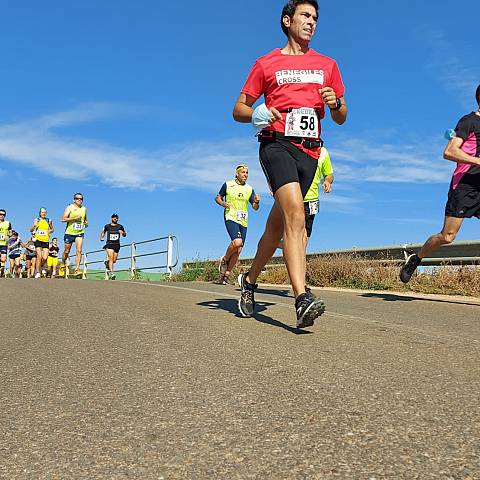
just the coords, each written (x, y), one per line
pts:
(307, 122)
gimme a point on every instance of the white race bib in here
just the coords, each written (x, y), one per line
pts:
(2, 236)
(77, 226)
(302, 122)
(242, 216)
(313, 207)
(42, 233)
(114, 237)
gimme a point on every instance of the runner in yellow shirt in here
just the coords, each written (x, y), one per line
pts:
(75, 216)
(234, 197)
(41, 228)
(5, 232)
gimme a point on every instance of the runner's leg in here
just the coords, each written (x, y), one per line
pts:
(237, 245)
(451, 226)
(268, 243)
(78, 253)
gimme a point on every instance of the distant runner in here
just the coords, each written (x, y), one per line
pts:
(30, 257)
(234, 197)
(41, 228)
(298, 84)
(464, 193)
(14, 253)
(113, 231)
(52, 260)
(5, 232)
(75, 216)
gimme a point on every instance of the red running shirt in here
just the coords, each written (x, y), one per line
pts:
(293, 81)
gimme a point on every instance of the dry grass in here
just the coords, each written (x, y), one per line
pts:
(352, 271)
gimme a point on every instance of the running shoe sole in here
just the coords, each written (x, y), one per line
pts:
(405, 273)
(314, 310)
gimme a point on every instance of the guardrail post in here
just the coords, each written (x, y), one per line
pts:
(84, 273)
(133, 261)
(170, 256)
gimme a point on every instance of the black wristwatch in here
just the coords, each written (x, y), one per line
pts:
(337, 106)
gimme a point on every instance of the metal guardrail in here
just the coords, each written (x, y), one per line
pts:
(457, 253)
(170, 264)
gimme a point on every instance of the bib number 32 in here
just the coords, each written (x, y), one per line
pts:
(302, 122)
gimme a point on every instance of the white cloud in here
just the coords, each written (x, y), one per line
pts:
(450, 70)
(42, 144)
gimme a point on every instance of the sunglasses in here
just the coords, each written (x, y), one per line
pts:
(78, 198)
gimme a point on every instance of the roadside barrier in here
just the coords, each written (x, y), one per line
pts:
(169, 248)
(457, 253)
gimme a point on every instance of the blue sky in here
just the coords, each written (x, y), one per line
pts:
(130, 103)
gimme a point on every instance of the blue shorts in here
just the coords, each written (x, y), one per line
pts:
(235, 230)
(67, 238)
(3, 249)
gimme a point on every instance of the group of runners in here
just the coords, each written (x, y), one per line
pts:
(39, 256)
(299, 86)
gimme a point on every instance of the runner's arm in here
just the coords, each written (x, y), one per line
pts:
(454, 153)
(50, 225)
(102, 235)
(255, 201)
(66, 217)
(34, 225)
(219, 200)
(330, 98)
(327, 183)
(243, 111)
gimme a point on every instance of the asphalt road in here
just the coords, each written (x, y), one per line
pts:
(146, 381)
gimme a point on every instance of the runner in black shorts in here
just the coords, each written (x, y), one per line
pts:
(464, 194)
(299, 85)
(113, 231)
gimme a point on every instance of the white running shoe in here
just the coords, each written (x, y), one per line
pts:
(38, 275)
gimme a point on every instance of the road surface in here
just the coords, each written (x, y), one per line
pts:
(117, 380)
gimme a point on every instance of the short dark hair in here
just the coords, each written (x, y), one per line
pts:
(290, 8)
(477, 95)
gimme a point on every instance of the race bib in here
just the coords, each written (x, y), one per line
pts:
(77, 226)
(2, 236)
(42, 233)
(313, 207)
(302, 122)
(242, 216)
(114, 237)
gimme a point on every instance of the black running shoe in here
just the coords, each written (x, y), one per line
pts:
(246, 304)
(411, 264)
(308, 308)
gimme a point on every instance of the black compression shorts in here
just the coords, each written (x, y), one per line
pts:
(282, 162)
(112, 246)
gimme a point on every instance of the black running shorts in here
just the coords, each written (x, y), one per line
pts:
(112, 246)
(463, 202)
(282, 162)
(40, 244)
(308, 219)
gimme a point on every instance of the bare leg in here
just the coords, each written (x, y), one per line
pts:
(268, 243)
(237, 246)
(451, 226)
(66, 253)
(78, 255)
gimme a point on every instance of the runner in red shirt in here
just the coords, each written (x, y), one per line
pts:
(298, 85)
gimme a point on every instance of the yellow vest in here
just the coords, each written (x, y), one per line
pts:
(4, 228)
(42, 232)
(237, 197)
(76, 227)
